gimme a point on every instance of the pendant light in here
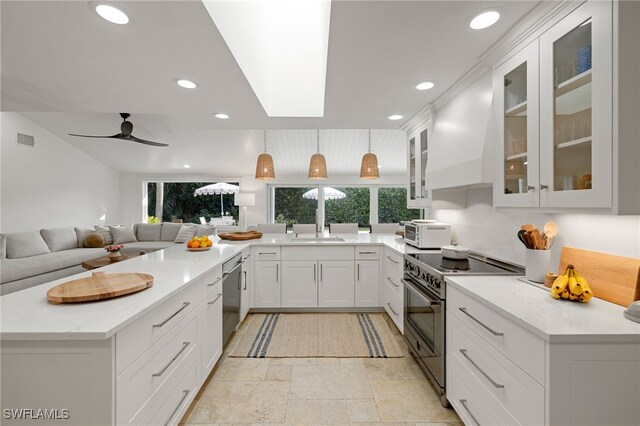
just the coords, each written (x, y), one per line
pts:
(317, 165)
(264, 165)
(369, 167)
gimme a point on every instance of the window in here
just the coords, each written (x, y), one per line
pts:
(392, 206)
(291, 206)
(352, 208)
(179, 203)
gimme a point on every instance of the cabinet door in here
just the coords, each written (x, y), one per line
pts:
(336, 284)
(417, 156)
(576, 88)
(299, 284)
(211, 333)
(267, 284)
(367, 284)
(246, 292)
(516, 108)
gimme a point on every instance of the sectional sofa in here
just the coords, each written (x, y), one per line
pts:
(36, 257)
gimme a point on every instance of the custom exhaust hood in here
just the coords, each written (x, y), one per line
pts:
(463, 138)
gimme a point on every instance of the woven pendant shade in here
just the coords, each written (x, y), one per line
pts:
(264, 165)
(369, 167)
(317, 165)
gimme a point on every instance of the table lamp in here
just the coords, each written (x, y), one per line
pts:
(244, 199)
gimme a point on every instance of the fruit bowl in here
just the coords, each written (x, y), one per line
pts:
(198, 248)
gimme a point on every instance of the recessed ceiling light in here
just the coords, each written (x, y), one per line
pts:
(394, 117)
(112, 14)
(187, 84)
(221, 116)
(484, 19)
(186, 166)
(425, 85)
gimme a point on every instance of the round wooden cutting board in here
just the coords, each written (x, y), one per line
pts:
(99, 286)
(240, 236)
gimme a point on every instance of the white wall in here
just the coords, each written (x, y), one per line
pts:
(492, 232)
(52, 184)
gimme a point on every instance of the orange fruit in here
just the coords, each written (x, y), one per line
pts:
(209, 243)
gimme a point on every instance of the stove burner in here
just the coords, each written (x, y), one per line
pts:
(455, 264)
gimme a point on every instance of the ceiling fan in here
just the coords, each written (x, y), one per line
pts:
(126, 128)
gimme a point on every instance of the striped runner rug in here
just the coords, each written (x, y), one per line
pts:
(308, 335)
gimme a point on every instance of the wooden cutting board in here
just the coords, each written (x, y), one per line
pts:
(240, 236)
(99, 286)
(612, 278)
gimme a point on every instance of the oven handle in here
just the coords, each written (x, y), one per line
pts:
(425, 298)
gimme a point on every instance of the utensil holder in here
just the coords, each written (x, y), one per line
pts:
(536, 263)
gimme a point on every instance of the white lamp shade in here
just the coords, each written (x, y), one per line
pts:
(244, 199)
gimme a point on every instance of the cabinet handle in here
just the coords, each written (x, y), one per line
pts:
(245, 279)
(392, 310)
(544, 186)
(391, 259)
(184, 305)
(466, 408)
(315, 276)
(530, 188)
(224, 274)
(358, 265)
(391, 281)
(246, 257)
(185, 393)
(277, 272)
(367, 252)
(216, 299)
(493, 382)
(161, 372)
(321, 272)
(464, 311)
(215, 282)
(267, 252)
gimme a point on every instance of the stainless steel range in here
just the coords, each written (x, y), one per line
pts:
(425, 305)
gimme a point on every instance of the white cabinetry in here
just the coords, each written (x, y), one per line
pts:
(299, 283)
(391, 289)
(367, 293)
(267, 284)
(211, 329)
(417, 156)
(246, 291)
(336, 284)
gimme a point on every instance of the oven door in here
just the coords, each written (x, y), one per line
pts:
(411, 233)
(424, 316)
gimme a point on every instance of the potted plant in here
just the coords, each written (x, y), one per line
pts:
(114, 250)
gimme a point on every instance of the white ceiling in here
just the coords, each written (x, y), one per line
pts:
(61, 57)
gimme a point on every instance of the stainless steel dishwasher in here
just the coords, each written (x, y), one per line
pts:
(231, 282)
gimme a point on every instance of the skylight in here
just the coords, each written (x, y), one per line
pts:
(281, 47)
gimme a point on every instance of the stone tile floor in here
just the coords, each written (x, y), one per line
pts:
(329, 391)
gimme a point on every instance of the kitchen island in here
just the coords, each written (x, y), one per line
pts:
(140, 359)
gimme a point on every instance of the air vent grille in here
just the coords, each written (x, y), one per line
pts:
(26, 140)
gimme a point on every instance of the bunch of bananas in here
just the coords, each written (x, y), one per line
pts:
(571, 286)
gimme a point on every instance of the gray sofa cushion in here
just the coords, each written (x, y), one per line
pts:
(25, 244)
(82, 234)
(24, 283)
(58, 239)
(187, 231)
(148, 231)
(106, 234)
(122, 234)
(146, 246)
(16, 269)
(170, 231)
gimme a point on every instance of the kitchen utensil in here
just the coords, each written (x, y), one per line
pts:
(612, 278)
(536, 263)
(633, 312)
(535, 234)
(455, 252)
(99, 286)
(528, 240)
(528, 227)
(551, 228)
(521, 236)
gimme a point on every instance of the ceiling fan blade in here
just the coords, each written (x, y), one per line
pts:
(134, 139)
(116, 136)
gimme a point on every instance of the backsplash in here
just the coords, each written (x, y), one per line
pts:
(492, 232)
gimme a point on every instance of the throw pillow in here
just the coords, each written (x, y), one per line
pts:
(94, 240)
(25, 244)
(205, 230)
(106, 234)
(82, 234)
(59, 239)
(122, 234)
(187, 231)
(170, 231)
(148, 231)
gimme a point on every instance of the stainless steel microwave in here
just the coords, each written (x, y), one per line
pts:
(427, 235)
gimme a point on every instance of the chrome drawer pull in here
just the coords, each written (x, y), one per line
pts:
(392, 310)
(493, 382)
(391, 259)
(161, 372)
(185, 394)
(466, 408)
(464, 311)
(215, 282)
(268, 252)
(216, 299)
(368, 252)
(224, 274)
(394, 284)
(358, 272)
(245, 279)
(184, 305)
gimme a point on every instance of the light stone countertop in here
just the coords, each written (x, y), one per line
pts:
(26, 314)
(553, 320)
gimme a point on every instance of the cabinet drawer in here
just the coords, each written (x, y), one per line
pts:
(134, 340)
(333, 252)
(522, 396)
(392, 303)
(172, 401)
(393, 259)
(367, 252)
(470, 399)
(213, 281)
(391, 277)
(266, 253)
(138, 383)
(519, 345)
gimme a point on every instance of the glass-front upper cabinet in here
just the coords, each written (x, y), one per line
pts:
(576, 109)
(418, 196)
(516, 106)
